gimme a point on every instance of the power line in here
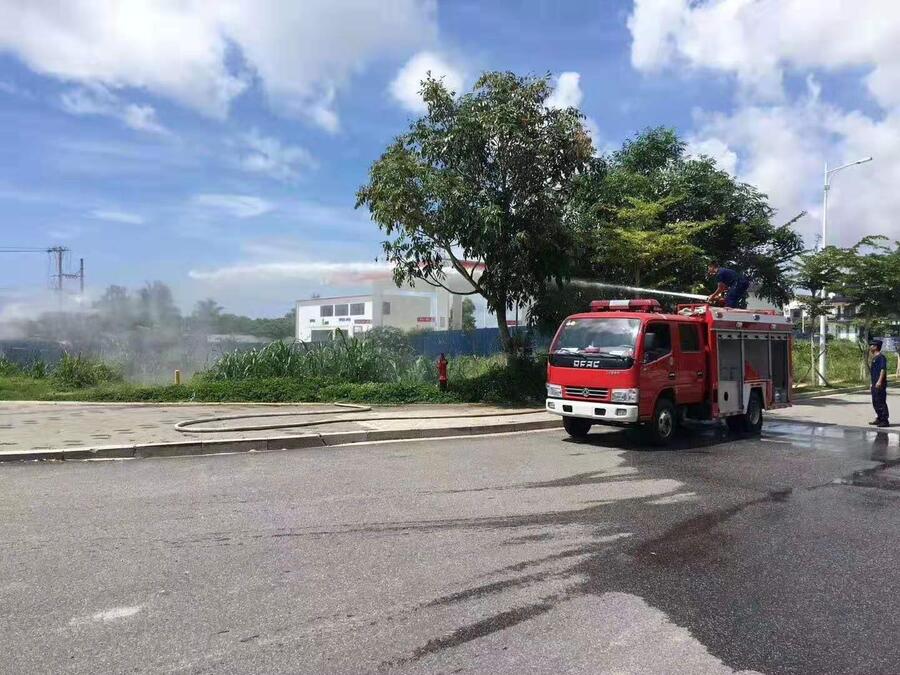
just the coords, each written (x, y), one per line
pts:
(57, 256)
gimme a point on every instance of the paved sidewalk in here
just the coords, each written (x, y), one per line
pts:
(848, 410)
(26, 426)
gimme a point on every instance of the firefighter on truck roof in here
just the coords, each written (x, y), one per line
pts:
(731, 286)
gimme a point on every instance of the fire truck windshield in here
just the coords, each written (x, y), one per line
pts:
(598, 337)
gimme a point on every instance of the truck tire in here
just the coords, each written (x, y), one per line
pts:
(736, 424)
(751, 422)
(664, 423)
(576, 427)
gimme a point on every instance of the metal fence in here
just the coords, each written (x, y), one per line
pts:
(479, 342)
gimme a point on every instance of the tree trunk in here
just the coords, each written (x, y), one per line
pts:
(812, 358)
(505, 338)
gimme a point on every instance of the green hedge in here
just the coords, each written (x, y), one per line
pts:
(497, 386)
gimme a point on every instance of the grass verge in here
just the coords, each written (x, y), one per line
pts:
(500, 385)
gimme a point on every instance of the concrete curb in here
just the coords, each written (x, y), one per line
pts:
(830, 392)
(264, 444)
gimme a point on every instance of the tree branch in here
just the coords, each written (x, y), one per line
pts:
(437, 284)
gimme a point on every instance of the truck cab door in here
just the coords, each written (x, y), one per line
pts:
(658, 370)
(691, 364)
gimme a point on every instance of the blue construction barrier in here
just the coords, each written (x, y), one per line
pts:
(479, 342)
(28, 350)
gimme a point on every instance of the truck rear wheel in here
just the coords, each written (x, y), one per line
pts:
(664, 422)
(576, 427)
(754, 417)
(751, 422)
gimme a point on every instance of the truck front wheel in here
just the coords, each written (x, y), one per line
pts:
(576, 427)
(664, 422)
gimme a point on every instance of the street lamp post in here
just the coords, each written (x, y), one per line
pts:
(823, 359)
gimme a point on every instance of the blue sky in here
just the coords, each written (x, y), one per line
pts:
(218, 146)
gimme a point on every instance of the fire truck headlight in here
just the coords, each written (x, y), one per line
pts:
(554, 391)
(624, 396)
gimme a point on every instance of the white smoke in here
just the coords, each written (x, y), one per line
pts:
(19, 307)
(328, 273)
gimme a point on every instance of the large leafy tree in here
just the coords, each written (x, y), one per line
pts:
(872, 279)
(485, 177)
(206, 316)
(651, 213)
(820, 274)
(156, 307)
(468, 315)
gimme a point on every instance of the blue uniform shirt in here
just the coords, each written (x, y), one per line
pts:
(879, 365)
(728, 277)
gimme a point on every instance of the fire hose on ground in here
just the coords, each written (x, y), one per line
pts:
(192, 425)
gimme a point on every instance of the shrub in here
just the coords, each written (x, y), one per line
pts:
(37, 369)
(521, 381)
(9, 368)
(346, 359)
(77, 372)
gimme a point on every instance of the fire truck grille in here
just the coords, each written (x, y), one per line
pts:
(586, 393)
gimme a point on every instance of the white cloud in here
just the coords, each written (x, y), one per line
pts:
(98, 100)
(407, 84)
(174, 49)
(142, 118)
(335, 274)
(12, 89)
(725, 158)
(268, 155)
(759, 42)
(774, 139)
(566, 91)
(239, 206)
(298, 51)
(783, 150)
(115, 216)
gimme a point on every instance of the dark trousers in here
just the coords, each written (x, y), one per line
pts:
(736, 297)
(879, 402)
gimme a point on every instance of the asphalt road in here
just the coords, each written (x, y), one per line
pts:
(507, 554)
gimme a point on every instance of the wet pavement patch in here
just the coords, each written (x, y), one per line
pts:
(884, 477)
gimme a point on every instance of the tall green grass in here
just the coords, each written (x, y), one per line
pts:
(78, 372)
(36, 370)
(70, 372)
(846, 363)
(345, 359)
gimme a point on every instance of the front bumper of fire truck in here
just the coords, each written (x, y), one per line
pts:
(614, 413)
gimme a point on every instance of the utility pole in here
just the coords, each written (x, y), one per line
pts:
(57, 258)
(77, 275)
(823, 325)
(57, 253)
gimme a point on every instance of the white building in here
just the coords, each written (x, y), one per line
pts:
(839, 323)
(419, 306)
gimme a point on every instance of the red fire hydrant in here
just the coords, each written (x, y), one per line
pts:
(442, 373)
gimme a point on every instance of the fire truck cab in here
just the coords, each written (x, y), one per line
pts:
(627, 363)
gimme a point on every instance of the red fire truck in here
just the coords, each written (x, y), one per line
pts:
(627, 363)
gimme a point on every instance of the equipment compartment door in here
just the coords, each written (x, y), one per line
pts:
(731, 372)
(691, 364)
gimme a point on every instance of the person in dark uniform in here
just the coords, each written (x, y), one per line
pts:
(732, 286)
(879, 384)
